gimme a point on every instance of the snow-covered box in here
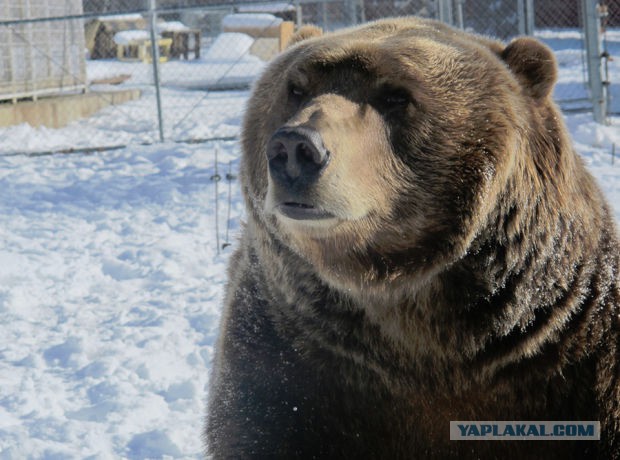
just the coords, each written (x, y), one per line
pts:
(45, 57)
(270, 33)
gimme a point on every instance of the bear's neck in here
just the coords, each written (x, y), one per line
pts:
(530, 275)
(526, 282)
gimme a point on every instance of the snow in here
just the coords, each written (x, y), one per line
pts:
(122, 17)
(109, 289)
(171, 26)
(225, 64)
(266, 7)
(111, 280)
(569, 48)
(189, 115)
(210, 72)
(250, 20)
(229, 46)
(125, 37)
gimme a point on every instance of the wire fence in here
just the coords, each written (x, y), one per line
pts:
(89, 74)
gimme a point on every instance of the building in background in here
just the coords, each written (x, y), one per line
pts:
(41, 58)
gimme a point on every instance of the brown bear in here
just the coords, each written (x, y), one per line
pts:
(422, 245)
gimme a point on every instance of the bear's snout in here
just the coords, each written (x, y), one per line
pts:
(297, 156)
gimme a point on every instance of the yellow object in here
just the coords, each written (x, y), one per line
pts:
(140, 50)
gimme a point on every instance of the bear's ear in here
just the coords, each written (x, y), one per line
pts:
(533, 64)
(303, 33)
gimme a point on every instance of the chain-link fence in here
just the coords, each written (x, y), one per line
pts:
(85, 75)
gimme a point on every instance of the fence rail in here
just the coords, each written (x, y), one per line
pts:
(193, 64)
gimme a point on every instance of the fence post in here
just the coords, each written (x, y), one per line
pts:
(444, 9)
(525, 10)
(155, 59)
(351, 6)
(459, 14)
(529, 17)
(298, 19)
(594, 54)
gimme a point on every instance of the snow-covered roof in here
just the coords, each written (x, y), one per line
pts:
(267, 7)
(171, 26)
(121, 17)
(251, 20)
(125, 37)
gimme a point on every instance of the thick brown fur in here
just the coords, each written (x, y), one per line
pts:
(305, 32)
(469, 270)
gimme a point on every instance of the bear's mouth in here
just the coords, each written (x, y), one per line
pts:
(303, 211)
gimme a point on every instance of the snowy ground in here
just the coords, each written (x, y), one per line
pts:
(568, 46)
(188, 115)
(110, 288)
(111, 281)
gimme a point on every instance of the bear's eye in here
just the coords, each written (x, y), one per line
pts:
(295, 92)
(395, 98)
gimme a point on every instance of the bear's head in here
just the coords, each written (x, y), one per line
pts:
(382, 152)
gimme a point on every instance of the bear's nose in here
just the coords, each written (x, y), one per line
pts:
(296, 154)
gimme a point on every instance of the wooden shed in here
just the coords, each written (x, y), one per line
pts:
(43, 57)
(100, 33)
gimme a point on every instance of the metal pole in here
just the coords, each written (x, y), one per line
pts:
(459, 14)
(444, 8)
(155, 59)
(298, 13)
(229, 178)
(525, 10)
(216, 177)
(592, 31)
(351, 6)
(529, 17)
(521, 15)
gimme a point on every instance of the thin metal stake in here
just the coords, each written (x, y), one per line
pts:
(216, 177)
(155, 59)
(229, 177)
